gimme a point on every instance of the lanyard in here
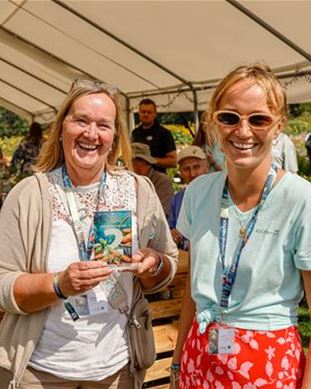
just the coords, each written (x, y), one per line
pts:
(229, 278)
(85, 250)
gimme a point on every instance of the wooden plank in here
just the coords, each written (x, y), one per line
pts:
(178, 293)
(160, 369)
(165, 336)
(178, 284)
(183, 261)
(166, 386)
(165, 308)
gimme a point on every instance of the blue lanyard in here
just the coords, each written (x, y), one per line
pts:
(85, 250)
(229, 278)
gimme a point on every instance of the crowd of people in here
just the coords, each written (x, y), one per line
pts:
(86, 230)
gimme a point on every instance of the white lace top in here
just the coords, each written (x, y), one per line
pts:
(93, 347)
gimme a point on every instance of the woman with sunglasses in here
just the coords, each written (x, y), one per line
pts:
(249, 230)
(67, 276)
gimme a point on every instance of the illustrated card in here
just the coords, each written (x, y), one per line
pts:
(113, 236)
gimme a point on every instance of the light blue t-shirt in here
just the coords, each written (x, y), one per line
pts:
(268, 284)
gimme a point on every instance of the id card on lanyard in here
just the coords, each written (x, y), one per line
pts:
(221, 338)
(90, 303)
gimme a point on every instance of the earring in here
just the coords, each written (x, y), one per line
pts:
(275, 142)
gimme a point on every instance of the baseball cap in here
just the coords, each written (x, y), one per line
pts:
(142, 151)
(190, 152)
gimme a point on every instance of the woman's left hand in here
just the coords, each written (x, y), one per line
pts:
(148, 260)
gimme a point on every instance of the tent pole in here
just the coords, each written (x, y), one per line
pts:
(269, 28)
(33, 75)
(49, 54)
(127, 115)
(28, 94)
(195, 109)
(26, 113)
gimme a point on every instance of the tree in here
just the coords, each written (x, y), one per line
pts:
(12, 124)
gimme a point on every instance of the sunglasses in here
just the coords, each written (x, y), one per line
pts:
(87, 83)
(232, 119)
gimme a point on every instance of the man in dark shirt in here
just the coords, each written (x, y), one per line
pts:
(157, 137)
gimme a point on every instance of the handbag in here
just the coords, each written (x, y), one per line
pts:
(139, 331)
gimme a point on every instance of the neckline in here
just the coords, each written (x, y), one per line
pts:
(233, 206)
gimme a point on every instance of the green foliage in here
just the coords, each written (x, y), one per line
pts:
(11, 124)
(304, 325)
(297, 126)
(180, 134)
(8, 145)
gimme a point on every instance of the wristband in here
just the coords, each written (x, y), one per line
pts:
(56, 287)
(175, 366)
(175, 374)
(159, 268)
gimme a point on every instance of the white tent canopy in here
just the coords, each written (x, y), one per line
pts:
(171, 51)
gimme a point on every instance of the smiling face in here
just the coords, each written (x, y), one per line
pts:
(243, 146)
(87, 136)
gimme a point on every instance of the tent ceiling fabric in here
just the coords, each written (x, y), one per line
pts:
(163, 49)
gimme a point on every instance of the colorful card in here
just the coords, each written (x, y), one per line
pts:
(113, 236)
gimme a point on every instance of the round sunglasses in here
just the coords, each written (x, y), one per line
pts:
(257, 120)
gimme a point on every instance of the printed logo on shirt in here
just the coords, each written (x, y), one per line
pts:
(266, 231)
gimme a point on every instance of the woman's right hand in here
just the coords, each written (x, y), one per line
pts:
(82, 276)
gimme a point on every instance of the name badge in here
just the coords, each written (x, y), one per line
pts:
(91, 303)
(220, 340)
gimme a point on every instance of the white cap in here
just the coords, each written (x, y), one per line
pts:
(191, 152)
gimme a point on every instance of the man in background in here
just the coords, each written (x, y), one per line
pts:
(157, 137)
(192, 163)
(143, 164)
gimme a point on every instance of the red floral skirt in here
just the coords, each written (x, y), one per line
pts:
(259, 359)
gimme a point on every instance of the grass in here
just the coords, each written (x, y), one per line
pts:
(304, 325)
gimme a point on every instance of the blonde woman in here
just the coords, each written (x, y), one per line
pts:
(249, 230)
(65, 312)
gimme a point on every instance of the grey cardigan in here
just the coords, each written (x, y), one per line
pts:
(25, 226)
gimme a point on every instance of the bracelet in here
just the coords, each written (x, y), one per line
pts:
(160, 267)
(56, 287)
(175, 374)
(175, 366)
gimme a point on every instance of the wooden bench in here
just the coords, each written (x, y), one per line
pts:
(165, 307)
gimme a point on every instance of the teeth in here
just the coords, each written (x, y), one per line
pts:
(87, 146)
(244, 146)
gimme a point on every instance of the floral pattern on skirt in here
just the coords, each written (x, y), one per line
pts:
(259, 359)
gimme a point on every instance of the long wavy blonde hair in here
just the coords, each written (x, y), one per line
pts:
(52, 156)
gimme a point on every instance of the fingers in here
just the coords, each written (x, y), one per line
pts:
(148, 260)
(80, 277)
(127, 239)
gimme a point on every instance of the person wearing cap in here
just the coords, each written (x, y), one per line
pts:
(143, 164)
(158, 138)
(192, 163)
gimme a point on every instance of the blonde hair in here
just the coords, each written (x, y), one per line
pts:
(51, 155)
(257, 74)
